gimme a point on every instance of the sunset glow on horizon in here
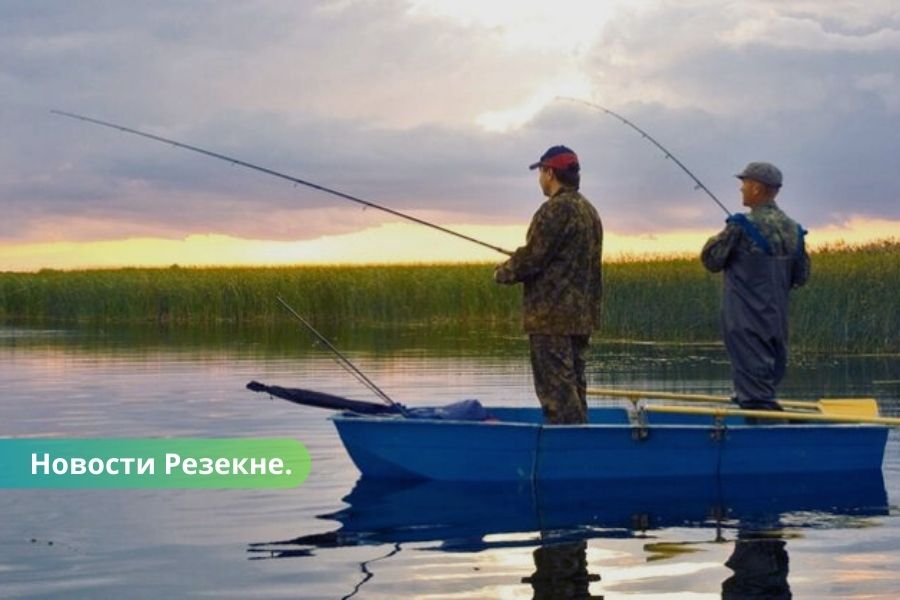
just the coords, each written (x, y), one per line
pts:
(393, 243)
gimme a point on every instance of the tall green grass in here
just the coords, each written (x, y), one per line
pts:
(852, 301)
(850, 304)
(247, 295)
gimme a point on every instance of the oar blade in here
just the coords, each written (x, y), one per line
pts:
(862, 408)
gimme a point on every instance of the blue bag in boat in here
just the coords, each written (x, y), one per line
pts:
(464, 410)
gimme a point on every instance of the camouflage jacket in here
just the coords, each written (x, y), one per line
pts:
(779, 230)
(560, 267)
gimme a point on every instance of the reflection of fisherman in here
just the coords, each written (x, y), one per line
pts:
(561, 573)
(760, 565)
(764, 256)
(560, 268)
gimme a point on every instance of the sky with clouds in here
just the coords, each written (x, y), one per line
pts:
(436, 107)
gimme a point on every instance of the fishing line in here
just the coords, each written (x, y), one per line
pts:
(343, 360)
(364, 568)
(650, 138)
(295, 180)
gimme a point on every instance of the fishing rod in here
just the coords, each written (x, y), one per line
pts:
(343, 360)
(294, 180)
(650, 138)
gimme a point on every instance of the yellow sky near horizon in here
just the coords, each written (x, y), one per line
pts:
(387, 243)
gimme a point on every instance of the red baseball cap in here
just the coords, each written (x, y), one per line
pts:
(558, 157)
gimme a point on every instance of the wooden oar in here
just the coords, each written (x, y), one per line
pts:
(851, 407)
(771, 414)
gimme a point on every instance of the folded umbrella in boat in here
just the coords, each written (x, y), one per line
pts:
(464, 410)
(322, 400)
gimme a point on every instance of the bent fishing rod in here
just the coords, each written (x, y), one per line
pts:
(342, 360)
(294, 180)
(650, 138)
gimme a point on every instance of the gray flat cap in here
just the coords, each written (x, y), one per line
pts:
(762, 172)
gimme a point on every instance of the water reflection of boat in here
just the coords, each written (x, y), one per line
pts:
(476, 516)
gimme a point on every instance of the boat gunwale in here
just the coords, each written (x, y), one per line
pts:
(350, 416)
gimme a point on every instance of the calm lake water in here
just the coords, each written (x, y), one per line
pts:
(335, 537)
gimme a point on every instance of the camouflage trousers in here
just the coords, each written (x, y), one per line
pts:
(557, 362)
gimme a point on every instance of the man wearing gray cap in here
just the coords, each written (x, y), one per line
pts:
(763, 256)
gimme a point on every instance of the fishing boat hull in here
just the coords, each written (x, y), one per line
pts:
(517, 446)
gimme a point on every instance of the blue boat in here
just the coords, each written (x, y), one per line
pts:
(515, 445)
(466, 442)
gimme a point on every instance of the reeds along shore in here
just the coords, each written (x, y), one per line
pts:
(850, 304)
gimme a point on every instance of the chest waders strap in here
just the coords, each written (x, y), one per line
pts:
(801, 241)
(752, 232)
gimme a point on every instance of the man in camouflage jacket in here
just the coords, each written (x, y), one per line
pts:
(764, 256)
(560, 268)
